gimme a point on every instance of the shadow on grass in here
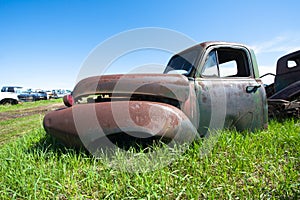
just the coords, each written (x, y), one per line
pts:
(48, 144)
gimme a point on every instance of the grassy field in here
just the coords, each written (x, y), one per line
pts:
(260, 165)
(28, 105)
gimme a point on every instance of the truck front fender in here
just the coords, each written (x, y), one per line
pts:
(85, 124)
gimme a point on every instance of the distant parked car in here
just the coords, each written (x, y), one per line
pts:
(49, 94)
(60, 93)
(29, 95)
(7, 96)
(39, 95)
(26, 96)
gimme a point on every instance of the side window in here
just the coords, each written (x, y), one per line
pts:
(210, 68)
(291, 64)
(10, 89)
(226, 62)
(233, 62)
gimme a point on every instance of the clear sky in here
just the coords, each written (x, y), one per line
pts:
(44, 43)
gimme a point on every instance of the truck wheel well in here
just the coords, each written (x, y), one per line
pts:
(126, 141)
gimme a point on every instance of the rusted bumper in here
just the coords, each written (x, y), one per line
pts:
(88, 124)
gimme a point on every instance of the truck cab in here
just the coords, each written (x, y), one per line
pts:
(227, 85)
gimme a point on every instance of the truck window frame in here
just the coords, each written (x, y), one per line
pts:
(243, 63)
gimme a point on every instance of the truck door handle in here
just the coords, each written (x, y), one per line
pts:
(252, 88)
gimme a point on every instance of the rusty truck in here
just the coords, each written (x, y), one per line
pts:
(212, 85)
(284, 94)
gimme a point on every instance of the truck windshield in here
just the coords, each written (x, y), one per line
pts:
(182, 63)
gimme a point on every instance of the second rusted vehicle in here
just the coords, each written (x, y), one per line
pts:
(213, 85)
(284, 94)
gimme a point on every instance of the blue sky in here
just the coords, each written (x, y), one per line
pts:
(44, 43)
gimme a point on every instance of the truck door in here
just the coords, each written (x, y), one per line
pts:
(227, 92)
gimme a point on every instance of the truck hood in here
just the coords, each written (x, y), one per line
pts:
(172, 86)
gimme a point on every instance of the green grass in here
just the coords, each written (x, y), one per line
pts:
(25, 105)
(14, 128)
(260, 165)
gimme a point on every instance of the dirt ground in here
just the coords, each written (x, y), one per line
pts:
(29, 111)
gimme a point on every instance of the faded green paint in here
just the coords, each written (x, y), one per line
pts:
(254, 64)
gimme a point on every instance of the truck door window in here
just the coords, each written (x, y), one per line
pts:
(233, 62)
(226, 62)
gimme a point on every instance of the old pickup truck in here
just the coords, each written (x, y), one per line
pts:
(213, 85)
